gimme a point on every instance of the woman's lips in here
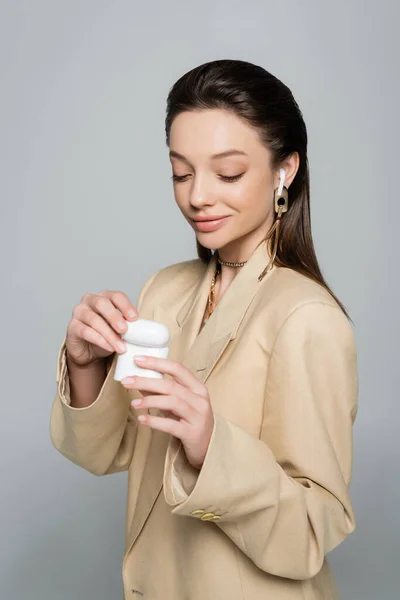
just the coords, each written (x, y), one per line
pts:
(210, 225)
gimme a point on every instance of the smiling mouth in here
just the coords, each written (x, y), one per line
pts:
(210, 225)
(207, 219)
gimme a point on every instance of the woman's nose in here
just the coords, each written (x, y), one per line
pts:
(201, 193)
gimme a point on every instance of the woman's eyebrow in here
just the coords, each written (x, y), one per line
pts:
(230, 152)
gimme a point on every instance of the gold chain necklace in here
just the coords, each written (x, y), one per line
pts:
(211, 300)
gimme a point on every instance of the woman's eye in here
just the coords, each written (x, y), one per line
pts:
(232, 178)
(179, 177)
(223, 177)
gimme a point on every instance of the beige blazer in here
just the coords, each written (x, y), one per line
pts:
(272, 498)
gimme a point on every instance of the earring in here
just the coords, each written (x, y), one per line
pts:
(281, 205)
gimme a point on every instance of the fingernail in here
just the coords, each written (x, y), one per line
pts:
(121, 346)
(136, 402)
(140, 357)
(131, 314)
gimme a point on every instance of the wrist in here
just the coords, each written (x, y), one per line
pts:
(94, 365)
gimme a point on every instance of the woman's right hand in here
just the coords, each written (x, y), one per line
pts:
(94, 332)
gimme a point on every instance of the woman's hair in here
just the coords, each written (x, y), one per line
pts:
(268, 105)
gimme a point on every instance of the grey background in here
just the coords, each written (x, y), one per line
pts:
(87, 204)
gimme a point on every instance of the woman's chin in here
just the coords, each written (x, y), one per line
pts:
(212, 242)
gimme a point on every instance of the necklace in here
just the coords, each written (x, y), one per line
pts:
(229, 263)
(211, 300)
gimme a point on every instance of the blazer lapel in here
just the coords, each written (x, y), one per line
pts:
(199, 352)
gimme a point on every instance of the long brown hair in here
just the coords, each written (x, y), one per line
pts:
(268, 105)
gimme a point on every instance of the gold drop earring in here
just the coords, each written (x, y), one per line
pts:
(281, 205)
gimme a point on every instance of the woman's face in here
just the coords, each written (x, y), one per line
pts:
(238, 186)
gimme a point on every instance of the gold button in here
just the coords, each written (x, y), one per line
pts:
(207, 516)
(198, 512)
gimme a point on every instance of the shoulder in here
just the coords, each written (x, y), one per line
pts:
(287, 290)
(174, 282)
(300, 308)
(294, 289)
(178, 278)
(186, 271)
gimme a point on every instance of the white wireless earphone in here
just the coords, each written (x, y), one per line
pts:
(282, 175)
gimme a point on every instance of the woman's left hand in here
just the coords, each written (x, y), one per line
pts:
(184, 396)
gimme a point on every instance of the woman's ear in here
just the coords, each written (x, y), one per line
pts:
(291, 166)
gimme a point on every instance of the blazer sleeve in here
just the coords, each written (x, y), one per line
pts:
(283, 498)
(99, 438)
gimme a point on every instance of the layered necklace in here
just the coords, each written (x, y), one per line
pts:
(211, 299)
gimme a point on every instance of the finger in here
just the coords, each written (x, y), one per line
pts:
(177, 406)
(103, 306)
(181, 374)
(122, 302)
(85, 315)
(93, 337)
(163, 387)
(175, 428)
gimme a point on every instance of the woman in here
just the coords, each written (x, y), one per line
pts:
(240, 457)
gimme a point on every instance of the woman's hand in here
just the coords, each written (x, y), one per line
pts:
(97, 324)
(184, 397)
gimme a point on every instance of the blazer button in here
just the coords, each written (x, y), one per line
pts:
(198, 512)
(207, 516)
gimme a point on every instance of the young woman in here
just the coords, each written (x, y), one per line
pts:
(240, 457)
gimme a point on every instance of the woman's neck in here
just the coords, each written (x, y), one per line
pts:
(234, 254)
